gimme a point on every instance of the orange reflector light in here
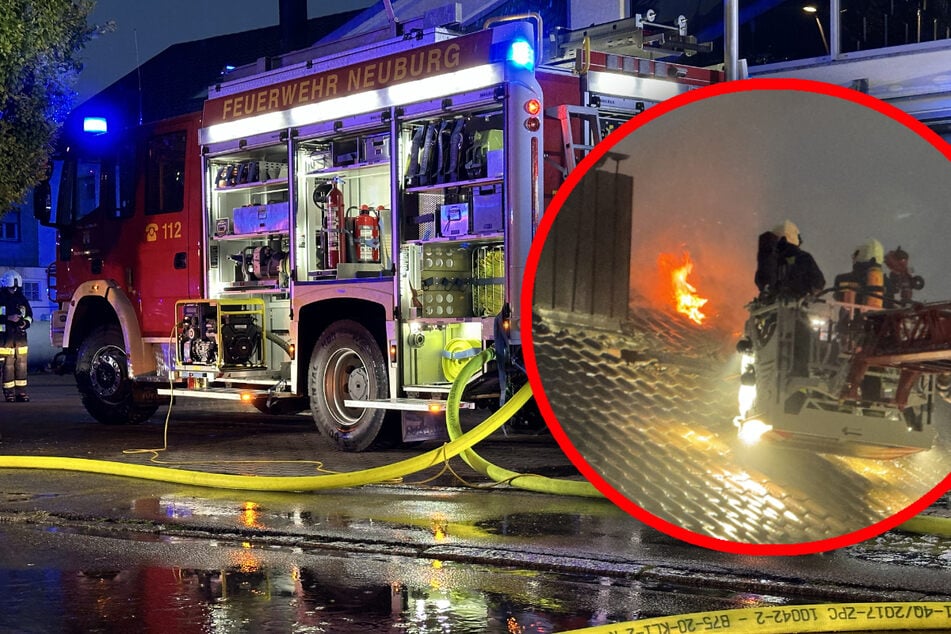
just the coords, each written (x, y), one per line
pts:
(246, 397)
(533, 107)
(292, 351)
(435, 408)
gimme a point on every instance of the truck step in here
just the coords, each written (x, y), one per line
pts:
(431, 388)
(406, 404)
(224, 393)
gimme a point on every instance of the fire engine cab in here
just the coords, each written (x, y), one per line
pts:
(339, 234)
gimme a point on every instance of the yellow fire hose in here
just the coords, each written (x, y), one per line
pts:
(928, 525)
(460, 444)
(790, 619)
(846, 617)
(279, 483)
(529, 482)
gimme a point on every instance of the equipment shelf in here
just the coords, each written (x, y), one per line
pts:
(476, 182)
(250, 236)
(364, 169)
(241, 186)
(467, 238)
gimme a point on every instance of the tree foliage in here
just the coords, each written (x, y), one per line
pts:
(40, 44)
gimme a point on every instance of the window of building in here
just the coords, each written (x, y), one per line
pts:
(10, 227)
(165, 178)
(31, 290)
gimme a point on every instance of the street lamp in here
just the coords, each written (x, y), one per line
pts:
(811, 8)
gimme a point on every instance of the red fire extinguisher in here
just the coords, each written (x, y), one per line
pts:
(335, 223)
(367, 232)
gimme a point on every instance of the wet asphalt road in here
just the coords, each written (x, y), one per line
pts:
(476, 553)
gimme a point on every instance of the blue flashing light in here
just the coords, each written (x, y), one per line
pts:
(521, 53)
(95, 125)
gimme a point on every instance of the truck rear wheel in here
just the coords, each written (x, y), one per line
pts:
(347, 364)
(102, 377)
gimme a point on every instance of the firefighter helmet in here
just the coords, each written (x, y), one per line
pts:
(788, 230)
(11, 279)
(869, 251)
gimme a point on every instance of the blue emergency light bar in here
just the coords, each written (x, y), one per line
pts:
(95, 125)
(521, 53)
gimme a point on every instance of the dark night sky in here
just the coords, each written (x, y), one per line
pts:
(710, 176)
(159, 24)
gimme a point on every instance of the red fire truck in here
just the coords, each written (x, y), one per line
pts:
(339, 234)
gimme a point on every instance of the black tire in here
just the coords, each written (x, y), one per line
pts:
(346, 364)
(108, 394)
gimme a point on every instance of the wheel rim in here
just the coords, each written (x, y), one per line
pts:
(106, 371)
(346, 378)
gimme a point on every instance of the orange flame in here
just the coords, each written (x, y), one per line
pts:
(683, 293)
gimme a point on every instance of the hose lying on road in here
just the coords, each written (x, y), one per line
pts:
(927, 525)
(529, 482)
(280, 483)
(827, 617)
(460, 444)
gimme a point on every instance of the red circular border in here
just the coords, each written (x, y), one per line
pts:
(743, 548)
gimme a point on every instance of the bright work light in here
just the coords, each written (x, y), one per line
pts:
(752, 430)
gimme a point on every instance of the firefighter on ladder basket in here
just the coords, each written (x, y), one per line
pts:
(865, 283)
(15, 317)
(784, 273)
(784, 270)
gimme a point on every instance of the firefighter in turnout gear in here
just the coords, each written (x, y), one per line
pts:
(786, 273)
(15, 317)
(784, 270)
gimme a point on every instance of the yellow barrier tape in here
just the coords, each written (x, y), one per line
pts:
(790, 619)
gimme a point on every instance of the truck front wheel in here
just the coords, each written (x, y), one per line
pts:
(347, 364)
(102, 377)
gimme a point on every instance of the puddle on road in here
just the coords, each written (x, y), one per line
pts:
(331, 594)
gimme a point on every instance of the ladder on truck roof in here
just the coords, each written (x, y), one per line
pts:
(590, 123)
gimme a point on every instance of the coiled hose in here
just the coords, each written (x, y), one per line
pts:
(529, 482)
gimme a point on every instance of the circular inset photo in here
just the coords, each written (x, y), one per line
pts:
(742, 318)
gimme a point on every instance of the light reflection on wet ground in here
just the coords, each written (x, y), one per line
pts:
(391, 560)
(260, 593)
